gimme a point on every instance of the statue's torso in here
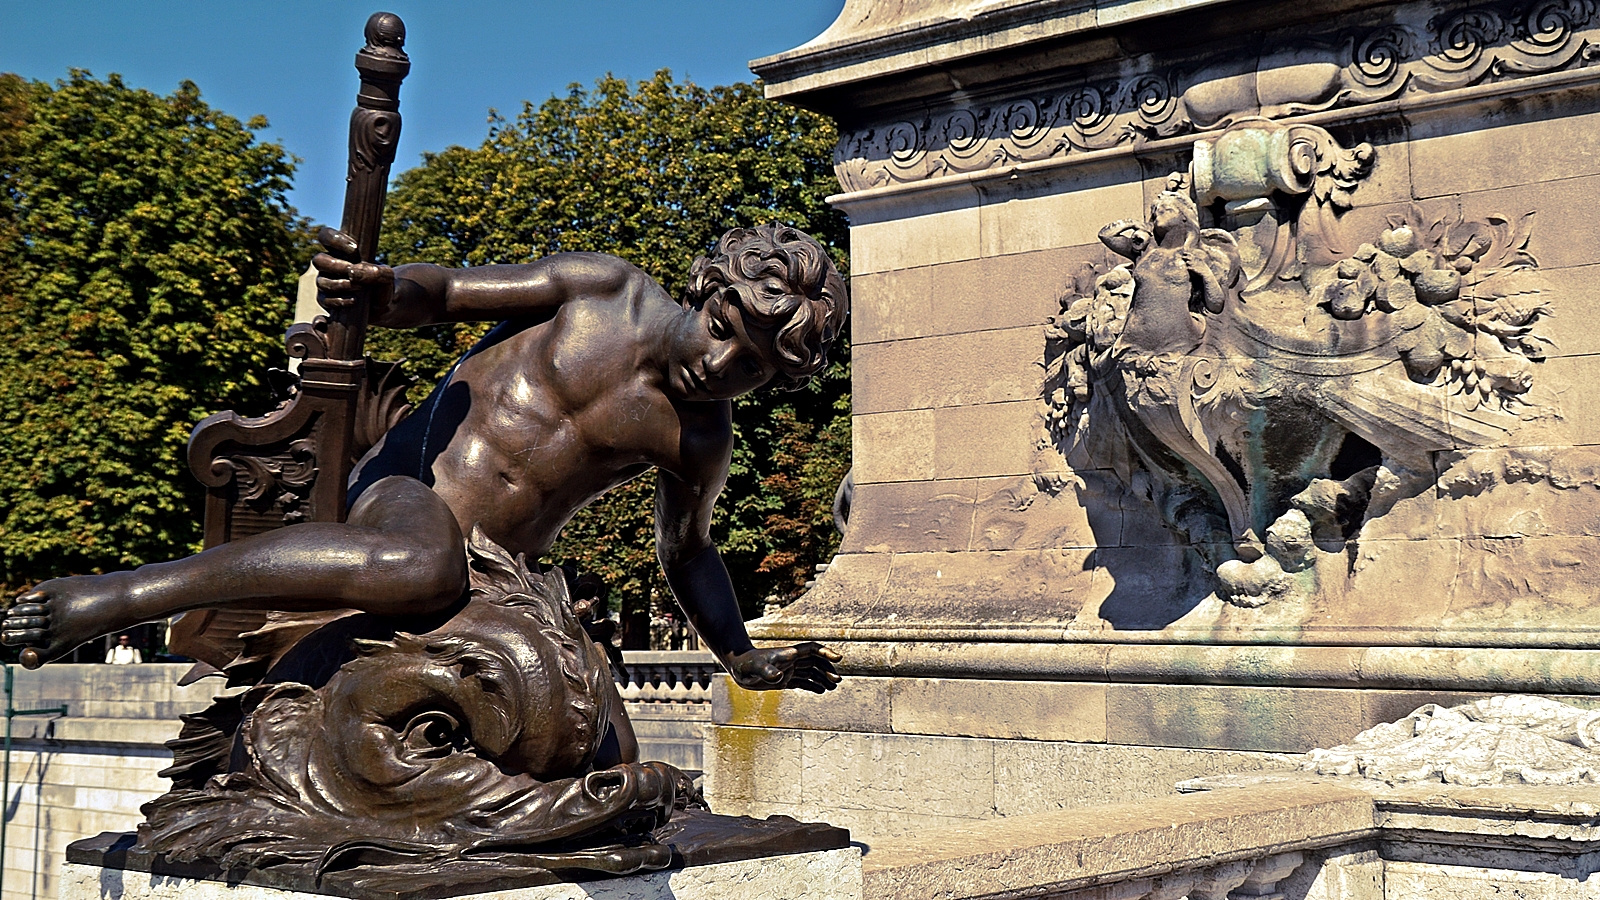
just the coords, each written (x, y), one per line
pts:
(540, 420)
(1161, 319)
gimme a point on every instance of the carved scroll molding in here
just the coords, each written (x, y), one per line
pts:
(276, 484)
(1441, 50)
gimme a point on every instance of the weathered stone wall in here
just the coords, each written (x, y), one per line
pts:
(88, 772)
(1007, 596)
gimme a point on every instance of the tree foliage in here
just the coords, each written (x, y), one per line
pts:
(146, 248)
(652, 172)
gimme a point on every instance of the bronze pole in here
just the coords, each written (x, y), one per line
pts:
(374, 134)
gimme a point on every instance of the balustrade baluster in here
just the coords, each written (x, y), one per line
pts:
(1218, 883)
(1262, 882)
(1176, 886)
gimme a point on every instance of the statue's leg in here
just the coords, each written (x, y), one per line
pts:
(400, 552)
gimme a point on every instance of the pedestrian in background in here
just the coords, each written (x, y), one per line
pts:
(124, 653)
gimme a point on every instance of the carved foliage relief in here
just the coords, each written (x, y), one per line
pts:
(1444, 49)
(1271, 384)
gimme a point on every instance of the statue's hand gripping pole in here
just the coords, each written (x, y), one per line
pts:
(293, 464)
(374, 134)
(341, 371)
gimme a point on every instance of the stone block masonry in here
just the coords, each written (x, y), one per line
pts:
(1301, 442)
(89, 772)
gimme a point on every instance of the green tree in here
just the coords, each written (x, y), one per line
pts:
(652, 172)
(146, 248)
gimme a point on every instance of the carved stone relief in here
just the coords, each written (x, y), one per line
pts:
(1443, 49)
(1515, 739)
(1270, 388)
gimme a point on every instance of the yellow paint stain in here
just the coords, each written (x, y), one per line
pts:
(738, 746)
(736, 761)
(754, 707)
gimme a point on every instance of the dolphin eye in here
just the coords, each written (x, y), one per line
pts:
(432, 735)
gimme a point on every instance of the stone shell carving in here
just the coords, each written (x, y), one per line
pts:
(1455, 47)
(1501, 740)
(1269, 390)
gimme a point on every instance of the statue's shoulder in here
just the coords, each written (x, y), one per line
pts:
(596, 268)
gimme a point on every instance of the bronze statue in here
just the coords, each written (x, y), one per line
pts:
(595, 376)
(466, 748)
(422, 699)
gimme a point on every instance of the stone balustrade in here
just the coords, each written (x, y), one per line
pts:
(1222, 845)
(1284, 835)
(669, 676)
(668, 696)
(1237, 880)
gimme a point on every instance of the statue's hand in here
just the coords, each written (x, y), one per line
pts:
(1126, 238)
(806, 667)
(342, 276)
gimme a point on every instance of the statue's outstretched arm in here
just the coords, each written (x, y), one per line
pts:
(426, 294)
(700, 581)
(419, 294)
(1126, 237)
(686, 499)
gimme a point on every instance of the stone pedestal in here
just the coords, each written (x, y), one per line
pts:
(713, 857)
(1072, 576)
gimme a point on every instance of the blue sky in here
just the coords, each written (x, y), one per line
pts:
(290, 60)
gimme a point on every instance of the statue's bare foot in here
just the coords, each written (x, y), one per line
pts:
(62, 613)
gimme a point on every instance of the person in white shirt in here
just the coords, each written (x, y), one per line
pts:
(124, 653)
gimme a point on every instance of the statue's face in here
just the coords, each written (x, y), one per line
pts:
(1166, 214)
(722, 355)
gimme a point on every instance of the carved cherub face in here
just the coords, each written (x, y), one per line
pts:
(1172, 211)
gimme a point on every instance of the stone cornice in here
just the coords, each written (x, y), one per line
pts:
(1164, 658)
(872, 39)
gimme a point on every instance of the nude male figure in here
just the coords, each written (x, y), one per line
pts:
(595, 376)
